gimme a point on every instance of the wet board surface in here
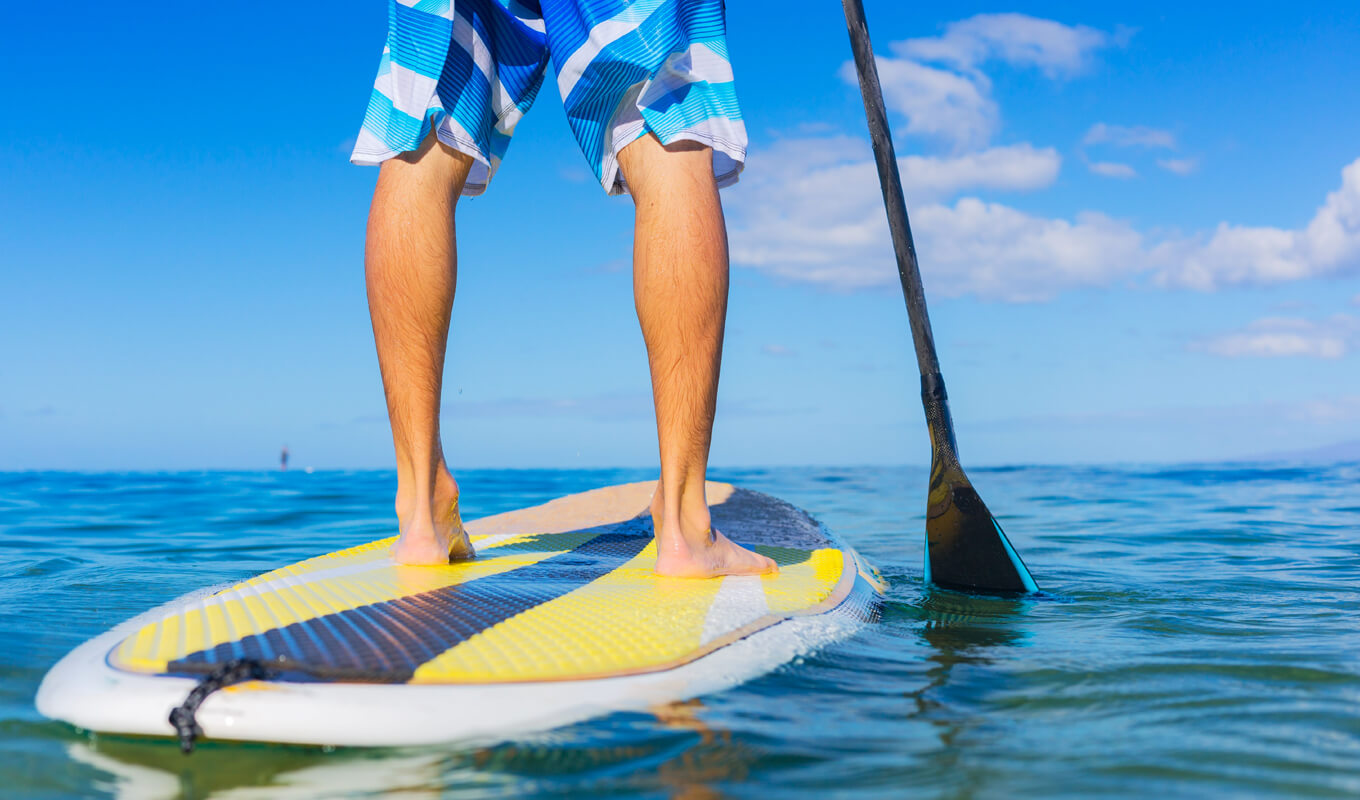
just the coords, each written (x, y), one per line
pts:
(559, 617)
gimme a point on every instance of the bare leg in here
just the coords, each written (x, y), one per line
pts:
(411, 269)
(680, 288)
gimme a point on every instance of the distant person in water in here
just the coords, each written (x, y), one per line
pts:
(649, 95)
(283, 459)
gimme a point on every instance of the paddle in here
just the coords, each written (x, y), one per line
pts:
(965, 547)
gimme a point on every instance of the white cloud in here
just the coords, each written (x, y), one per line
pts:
(813, 173)
(1112, 169)
(1180, 166)
(937, 84)
(815, 214)
(1277, 337)
(997, 252)
(1235, 254)
(1054, 48)
(936, 102)
(1330, 410)
(1020, 167)
(776, 350)
(811, 211)
(1136, 136)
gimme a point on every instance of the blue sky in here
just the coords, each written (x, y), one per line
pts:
(1138, 230)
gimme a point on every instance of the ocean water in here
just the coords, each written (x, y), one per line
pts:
(1199, 636)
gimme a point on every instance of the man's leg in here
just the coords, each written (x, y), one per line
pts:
(411, 268)
(680, 288)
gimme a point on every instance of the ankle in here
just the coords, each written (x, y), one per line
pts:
(445, 488)
(410, 499)
(688, 520)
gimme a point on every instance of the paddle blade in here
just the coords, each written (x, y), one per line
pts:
(966, 549)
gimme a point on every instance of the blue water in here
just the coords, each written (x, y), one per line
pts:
(1200, 637)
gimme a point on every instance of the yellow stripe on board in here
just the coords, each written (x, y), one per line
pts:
(359, 554)
(627, 618)
(804, 584)
(630, 620)
(363, 575)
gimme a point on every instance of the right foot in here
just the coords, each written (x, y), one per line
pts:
(709, 554)
(432, 535)
(713, 555)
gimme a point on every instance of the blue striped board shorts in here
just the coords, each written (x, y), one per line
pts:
(469, 70)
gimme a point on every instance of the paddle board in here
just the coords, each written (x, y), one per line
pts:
(559, 618)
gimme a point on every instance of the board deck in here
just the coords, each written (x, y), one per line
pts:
(561, 604)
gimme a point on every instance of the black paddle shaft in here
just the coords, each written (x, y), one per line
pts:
(932, 385)
(965, 546)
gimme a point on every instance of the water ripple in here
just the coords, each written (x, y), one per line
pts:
(1196, 637)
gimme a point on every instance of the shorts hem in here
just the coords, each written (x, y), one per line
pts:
(612, 180)
(452, 138)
